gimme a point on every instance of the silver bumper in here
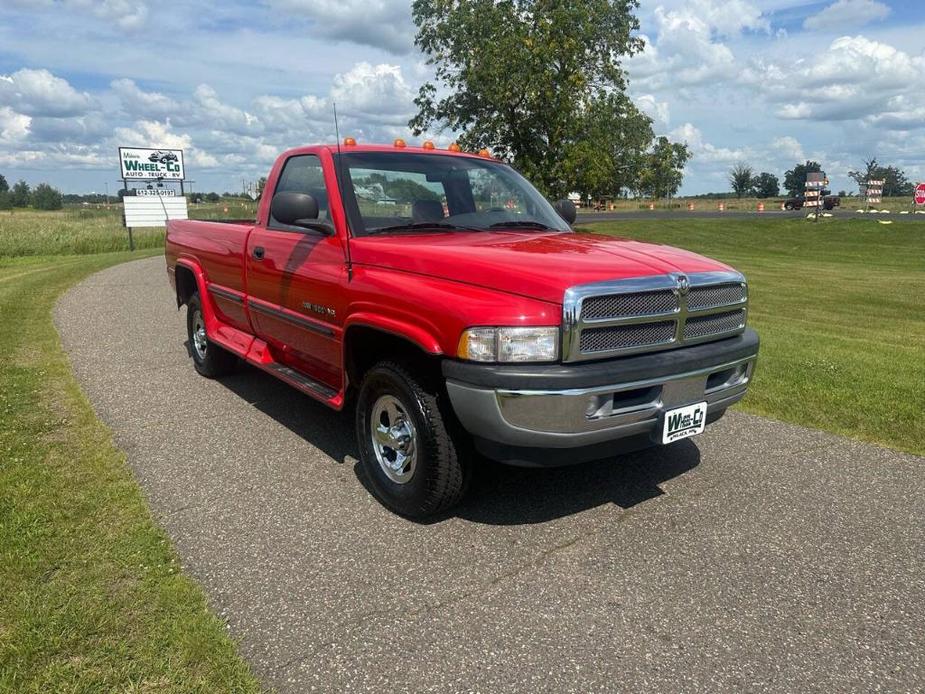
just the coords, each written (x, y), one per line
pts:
(586, 416)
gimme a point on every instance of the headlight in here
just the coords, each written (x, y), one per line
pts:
(509, 344)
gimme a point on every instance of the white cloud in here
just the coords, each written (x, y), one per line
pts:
(40, 93)
(14, 127)
(374, 91)
(687, 49)
(789, 147)
(705, 151)
(657, 110)
(210, 110)
(384, 24)
(847, 13)
(137, 102)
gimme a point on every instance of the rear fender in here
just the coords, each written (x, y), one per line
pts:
(208, 306)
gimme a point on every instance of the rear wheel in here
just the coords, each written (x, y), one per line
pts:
(209, 359)
(788, 205)
(412, 449)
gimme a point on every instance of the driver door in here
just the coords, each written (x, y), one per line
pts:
(295, 278)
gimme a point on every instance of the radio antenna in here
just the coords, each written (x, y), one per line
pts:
(341, 192)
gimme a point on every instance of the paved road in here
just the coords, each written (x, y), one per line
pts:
(763, 557)
(739, 214)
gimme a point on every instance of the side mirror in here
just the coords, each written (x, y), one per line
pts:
(566, 209)
(299, 210)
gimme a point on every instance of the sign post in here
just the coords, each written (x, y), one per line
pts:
(147, 206)
(815, 182)
(873, 191)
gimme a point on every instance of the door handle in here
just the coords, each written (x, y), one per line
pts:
(258, 252)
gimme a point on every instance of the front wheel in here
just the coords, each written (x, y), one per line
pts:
(412, 449)
(209, 359)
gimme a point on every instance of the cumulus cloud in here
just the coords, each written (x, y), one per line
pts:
(789, 147)
(124, 14)
(384, 24)
(14, 127)
(374, 90)
(138, 102)
(657, 110)
(705, 151)
(854, 77)
(40, 93)
(688, 49)
(847, 13)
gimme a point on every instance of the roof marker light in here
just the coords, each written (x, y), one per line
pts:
(399, 142)
(428, 144)
(484, 153)
(454, 147)
(349, 142)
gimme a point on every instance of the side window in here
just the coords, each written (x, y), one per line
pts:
(303, 174)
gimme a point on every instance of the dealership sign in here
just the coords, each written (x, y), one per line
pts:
(141, 163)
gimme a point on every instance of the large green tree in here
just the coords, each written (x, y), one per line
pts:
(607, 153)
(44, 197)
(4, 186)
(663, 170)
(894, 179)
(795, 178)
(526, 78)
(766, 185)
(20, 194)
(740, 178)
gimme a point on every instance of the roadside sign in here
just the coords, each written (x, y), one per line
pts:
(154, 192)
(920, 194)
(144, 211)
(873, 190)
(147, 164)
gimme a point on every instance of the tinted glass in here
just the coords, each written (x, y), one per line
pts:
(397, 189)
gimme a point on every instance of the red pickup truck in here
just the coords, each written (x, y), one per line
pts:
(444, 298)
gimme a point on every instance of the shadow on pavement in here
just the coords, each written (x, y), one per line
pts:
(499, 494)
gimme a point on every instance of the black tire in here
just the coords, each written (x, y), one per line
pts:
(788, 206)
(440, 473)
(209, 360)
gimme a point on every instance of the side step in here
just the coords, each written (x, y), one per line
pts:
(300, 381)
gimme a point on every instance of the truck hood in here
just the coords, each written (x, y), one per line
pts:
(536, 265)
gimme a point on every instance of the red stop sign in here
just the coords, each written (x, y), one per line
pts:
(920, 194)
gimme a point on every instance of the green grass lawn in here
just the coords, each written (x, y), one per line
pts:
(92, 596)
(85, 230)
(839, 306)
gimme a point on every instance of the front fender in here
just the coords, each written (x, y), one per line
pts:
(419, 336)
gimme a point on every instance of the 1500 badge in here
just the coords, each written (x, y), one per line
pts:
(319, 309)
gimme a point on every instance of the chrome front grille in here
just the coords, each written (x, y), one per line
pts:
(626, 336)
(633, 304)
(652, 313)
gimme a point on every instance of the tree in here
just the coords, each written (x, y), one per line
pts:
(894, 179)
(795, 179)
(4, 186)
(740, 178)
(44, 197)
(213, 197)
(520, 78)
(766, 185)
(20, 194)
(663, 171)
(6, 200)
(608, 151)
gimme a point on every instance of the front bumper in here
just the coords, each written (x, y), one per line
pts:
(556, 414)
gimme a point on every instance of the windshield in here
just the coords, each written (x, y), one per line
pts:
(395, 192)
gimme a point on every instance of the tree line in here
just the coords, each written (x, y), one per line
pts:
(42, 197)
(745, 183)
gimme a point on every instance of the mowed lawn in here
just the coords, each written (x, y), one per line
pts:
(92, 598)
(839, 306)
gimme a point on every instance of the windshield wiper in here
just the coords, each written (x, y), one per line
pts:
(418, 226)
(522, 224)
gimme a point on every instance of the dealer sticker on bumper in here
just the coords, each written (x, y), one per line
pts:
(682, 422)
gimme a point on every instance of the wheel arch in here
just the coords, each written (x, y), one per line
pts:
(367, 343)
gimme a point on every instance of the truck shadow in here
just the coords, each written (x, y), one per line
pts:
(499, 494)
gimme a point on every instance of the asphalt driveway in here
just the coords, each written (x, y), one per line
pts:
(760, 556)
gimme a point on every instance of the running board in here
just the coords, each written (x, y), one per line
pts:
(300, 381)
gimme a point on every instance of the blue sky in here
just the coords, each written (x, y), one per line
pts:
(769, 83)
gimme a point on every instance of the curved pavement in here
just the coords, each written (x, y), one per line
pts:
(762, 557)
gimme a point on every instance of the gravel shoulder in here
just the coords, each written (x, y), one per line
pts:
(760, 556)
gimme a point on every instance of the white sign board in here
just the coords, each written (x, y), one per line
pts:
(153, 211)
(144, 164)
